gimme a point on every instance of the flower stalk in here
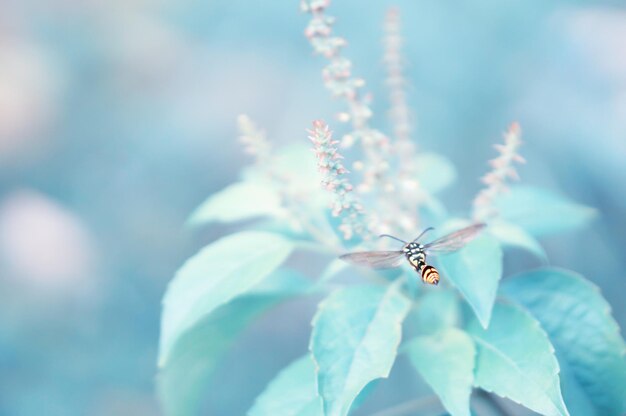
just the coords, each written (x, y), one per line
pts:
(409, 190)
(329, 161)
(338, 79)
(377, 180)
(503, 169)
(254, 141)
(293, 200)
(399, 113)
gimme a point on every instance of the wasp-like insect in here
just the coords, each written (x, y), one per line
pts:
(416, 253)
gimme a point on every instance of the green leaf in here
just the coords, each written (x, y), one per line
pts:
(587, 339)
(217, 274)
(292, 393)
(426, 164)
(196, 355)
(436, 310)
(237, 202)
(446, 362)
(516, 360)
(515, 236)
(541, 212)
(356, 333)
(475, 271)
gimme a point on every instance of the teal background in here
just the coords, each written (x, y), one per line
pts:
(117, 118)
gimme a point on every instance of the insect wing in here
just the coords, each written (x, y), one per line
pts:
(454, 241)
(375, 259)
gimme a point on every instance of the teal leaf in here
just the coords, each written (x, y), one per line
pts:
(446, 362)
(296, 167)
(356, 333)
(365, 393)
(292, 393)
(541, 212)
(515, 236)
(426, 164)
(587, 339)
(220, 272)
(436, 310)
(237, 202)
(515, 359)
(577, 399)
(184, 377)
(475, 271)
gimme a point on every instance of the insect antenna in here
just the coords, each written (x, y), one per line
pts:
(424, 232)
(392, 237)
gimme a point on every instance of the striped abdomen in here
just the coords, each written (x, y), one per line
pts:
(430, 275)
(417, 258)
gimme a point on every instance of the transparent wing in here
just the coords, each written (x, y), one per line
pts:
(454, 241)
(375, 259)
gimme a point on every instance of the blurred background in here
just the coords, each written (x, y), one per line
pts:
(117, 118)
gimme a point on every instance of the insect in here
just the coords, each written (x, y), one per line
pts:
(416, 252)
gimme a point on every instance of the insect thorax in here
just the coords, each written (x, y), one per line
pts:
(417, 257)
(415, 254)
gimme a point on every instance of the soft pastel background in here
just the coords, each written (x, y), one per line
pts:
(118, 117)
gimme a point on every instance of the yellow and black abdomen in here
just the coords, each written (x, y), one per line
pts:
(430, 275)
(417, 258)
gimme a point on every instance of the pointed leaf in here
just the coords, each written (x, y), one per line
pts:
(216, 275)
(515, 236)
(182, 380)
(356, 333)
(516, 360)
(587, 339)
(292, 393)
(541, 212)
(237, 202)
(475, 271)
(446, 362)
